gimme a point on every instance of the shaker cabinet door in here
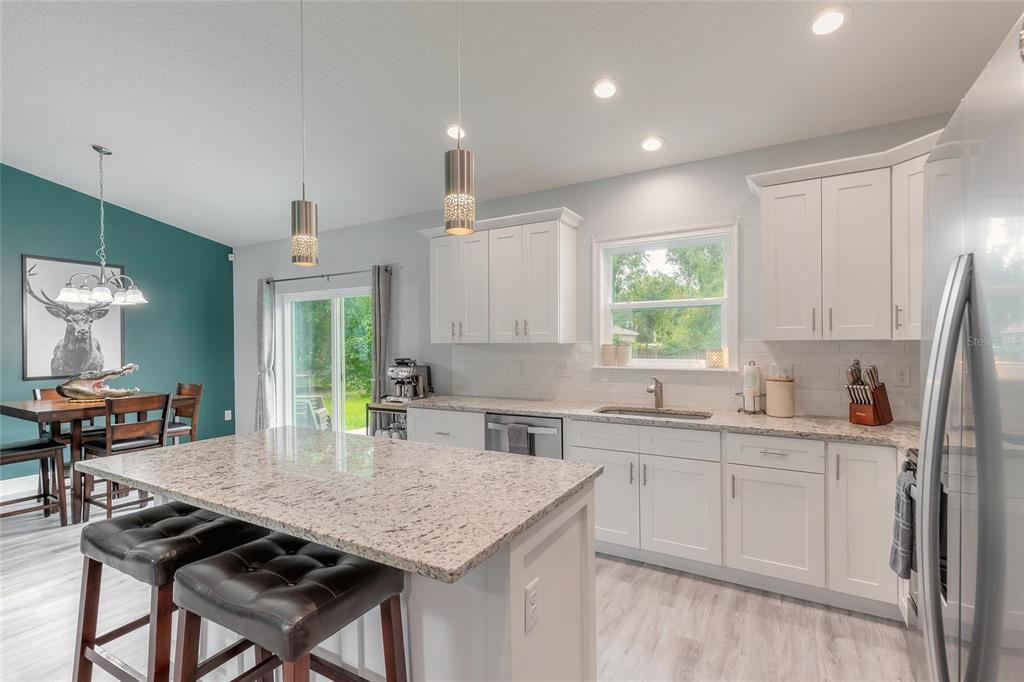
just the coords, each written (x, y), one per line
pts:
(681, 507)
(444, 289)
(791, 261)
(616, 506)
(506, 285)
(907, 248)
(540, 282)
(473, 304)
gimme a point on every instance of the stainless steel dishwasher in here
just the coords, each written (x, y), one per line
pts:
(545, 434)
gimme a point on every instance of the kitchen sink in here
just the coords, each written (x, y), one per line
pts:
(663, 413)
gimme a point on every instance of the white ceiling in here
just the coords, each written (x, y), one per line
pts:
(199, 100)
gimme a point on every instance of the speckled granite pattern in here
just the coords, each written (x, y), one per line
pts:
(899, 435)
(429, 509)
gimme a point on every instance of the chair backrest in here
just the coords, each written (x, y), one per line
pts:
(190, 409)
(144, 426)
(46, 394)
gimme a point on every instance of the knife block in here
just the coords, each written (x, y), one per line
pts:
(877, 414)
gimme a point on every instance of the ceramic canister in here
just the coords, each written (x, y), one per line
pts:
(781, 400)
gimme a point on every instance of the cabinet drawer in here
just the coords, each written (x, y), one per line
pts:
(685, 443)
(444, 427)
(603, 436)
(793, 454)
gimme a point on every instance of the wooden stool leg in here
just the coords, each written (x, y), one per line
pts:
(88, 608)
(44, 483)
(262, 655)
(296, 671)
(186, 656)
(110, 500)
(161, 611)
(58, 470)
(394, 643)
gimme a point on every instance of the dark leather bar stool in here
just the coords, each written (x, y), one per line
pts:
(49, 453)
(149, 545)
(285, 595)
(186, 410)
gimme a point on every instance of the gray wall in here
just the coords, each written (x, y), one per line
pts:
(701, 192)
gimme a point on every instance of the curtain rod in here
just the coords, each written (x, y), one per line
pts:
(325, 275)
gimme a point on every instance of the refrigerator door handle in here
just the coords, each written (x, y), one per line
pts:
(941, 363)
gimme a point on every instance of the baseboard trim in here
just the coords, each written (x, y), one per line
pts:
(817, 595)
(19, 486)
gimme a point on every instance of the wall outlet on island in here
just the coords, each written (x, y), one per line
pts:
(900, 376)
(531, 603)
(563, 368)
(227, 415)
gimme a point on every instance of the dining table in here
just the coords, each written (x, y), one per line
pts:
(56, 412)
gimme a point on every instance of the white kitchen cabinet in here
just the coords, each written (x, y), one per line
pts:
(444, 288)
(907, 247)
(458, 289)
(681, 507)
(446, 427)
(775, 523)
(860, 493)
(791, 261)
(533, 283)
(856, 280)
(616, 508)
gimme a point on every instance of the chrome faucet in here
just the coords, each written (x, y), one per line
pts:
(658, 389)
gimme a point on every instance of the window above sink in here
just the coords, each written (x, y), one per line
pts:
(671, 297)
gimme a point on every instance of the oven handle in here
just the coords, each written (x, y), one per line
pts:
(941, 364)
(532, 430)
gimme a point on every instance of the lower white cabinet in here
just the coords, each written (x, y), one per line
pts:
(860, 493)
(775, 523)
(616, 512)
(681, 507)
(446, 427)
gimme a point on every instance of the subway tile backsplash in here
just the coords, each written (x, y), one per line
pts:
(555, 372)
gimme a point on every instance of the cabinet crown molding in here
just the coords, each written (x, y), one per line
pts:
(562, 214)
(852, 164)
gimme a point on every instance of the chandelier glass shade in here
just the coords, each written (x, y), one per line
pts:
(106, 289)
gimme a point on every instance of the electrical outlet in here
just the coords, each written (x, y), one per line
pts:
(227, 415)
(531, 603)
(564, 369)
(900, 376)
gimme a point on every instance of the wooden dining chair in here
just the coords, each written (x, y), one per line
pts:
(61, 433)
(120, 436)
(186, 410)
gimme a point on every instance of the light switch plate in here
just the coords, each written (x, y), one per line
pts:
(531, 603)
(227, 415)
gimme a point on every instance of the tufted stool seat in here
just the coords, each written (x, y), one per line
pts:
(149, 545)
(286, 595)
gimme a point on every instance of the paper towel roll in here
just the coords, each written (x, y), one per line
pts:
(751, 381)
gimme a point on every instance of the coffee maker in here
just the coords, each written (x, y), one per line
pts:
(409, 381)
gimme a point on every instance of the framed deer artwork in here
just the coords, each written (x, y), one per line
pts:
(59, 340)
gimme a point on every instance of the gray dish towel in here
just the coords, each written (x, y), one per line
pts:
(902, 553)
(519, 439)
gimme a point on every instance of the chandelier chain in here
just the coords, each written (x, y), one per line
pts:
(101, 252)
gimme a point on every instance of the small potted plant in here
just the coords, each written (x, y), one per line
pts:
(623, 351)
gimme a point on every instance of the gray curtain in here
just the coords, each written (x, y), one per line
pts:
(266, 379)
(380, 300)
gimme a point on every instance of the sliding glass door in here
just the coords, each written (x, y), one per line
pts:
(326, 358)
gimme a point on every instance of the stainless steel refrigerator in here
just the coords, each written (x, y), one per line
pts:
(969, 590)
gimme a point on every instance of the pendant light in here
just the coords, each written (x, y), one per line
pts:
(459, 189)
(108, 290)
(305, 232)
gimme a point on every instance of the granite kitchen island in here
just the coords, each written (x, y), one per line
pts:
(474, 531)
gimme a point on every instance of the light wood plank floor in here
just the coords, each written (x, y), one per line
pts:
(653, 624)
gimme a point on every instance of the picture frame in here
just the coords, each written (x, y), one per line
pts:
(60, 340)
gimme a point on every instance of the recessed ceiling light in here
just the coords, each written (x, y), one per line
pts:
(652, 143)
(830, 19)
(605, 88)
(455, 132)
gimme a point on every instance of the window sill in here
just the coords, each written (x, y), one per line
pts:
(680, 370)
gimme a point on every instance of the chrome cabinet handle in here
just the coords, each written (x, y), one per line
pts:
(734, 486)
(460, 330)
(941, 364)
(814, 319)
(645, 474)
(453, 330)
(526, 328)
(830, 319)
(777, 454)
(517, 327)
(837, 466)
(442, 433)
(897, 316)
(631, 465)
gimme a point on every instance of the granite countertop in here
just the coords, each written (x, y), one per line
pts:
(902, 436)
(429, 509)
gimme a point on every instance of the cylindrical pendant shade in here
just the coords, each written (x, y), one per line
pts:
(459, 192)
(305, 245)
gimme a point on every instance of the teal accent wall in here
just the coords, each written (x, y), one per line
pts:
(185, 332)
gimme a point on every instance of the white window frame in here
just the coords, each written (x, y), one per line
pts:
(730, 302)
(286, 412)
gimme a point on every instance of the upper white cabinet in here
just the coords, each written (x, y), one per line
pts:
(907, 247)
(856, 282)
(512, 282)
(791, 261)
(458, 289)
